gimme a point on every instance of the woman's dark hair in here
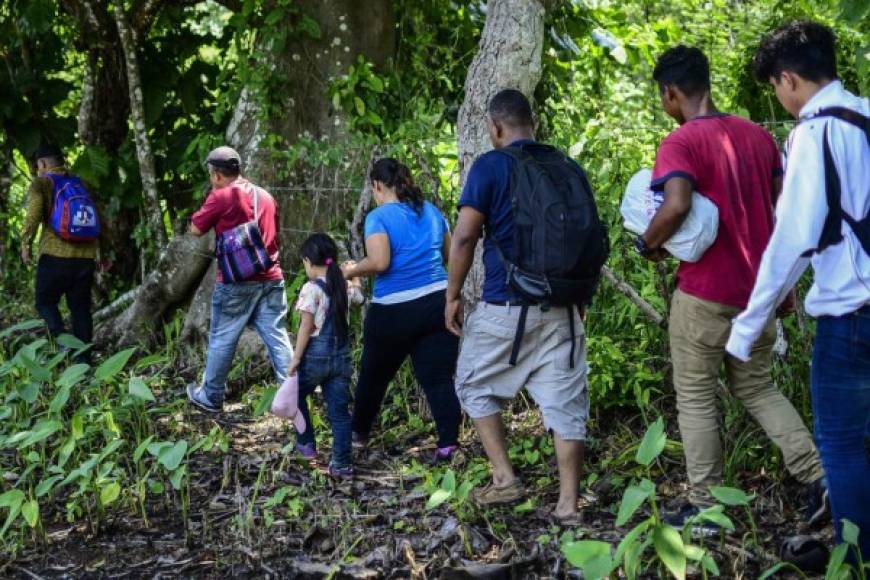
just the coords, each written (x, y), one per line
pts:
(685, 67)
(321, 250)
(805, 48)
(397, 175)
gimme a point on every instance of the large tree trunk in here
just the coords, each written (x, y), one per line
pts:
(509, 58)
(171, 283)
(140, 131)
(348, 28)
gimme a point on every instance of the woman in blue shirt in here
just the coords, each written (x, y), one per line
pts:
(407, 241)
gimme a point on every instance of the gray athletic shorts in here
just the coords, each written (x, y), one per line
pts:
(485, 380)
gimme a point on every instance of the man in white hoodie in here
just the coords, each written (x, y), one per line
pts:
(821, 218)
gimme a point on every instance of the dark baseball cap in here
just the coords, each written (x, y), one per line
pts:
(224, 158)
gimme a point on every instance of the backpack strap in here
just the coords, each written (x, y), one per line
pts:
(831, 231)
(518, 337)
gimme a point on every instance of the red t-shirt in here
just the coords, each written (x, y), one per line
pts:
(233, 205)
(733, 162)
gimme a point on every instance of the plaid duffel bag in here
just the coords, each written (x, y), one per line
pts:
(241, 252)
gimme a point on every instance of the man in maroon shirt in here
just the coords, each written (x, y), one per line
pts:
(260, 300)
(736, 164)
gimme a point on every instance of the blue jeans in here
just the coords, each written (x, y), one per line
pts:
(841, 405)
(262, 305)
(327, 363)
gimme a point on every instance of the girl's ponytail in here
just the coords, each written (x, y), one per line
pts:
(320, 250)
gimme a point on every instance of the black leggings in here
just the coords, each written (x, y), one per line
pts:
(394, 331)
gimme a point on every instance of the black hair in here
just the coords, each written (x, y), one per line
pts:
(226, 168)
(397, 175)
(320, 250)
(806, 48)
(684, 67)
(50, 151)
(512, 108)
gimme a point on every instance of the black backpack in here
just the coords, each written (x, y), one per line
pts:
(832, 231)
(559, 241)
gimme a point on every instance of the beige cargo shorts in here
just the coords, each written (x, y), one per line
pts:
(485, 380)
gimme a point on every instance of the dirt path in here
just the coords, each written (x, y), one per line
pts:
(376, 527)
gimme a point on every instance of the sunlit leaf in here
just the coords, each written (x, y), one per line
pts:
(591, 556)
(30, 512)
(437, 498)
(171, 457)
(110, 493)
(669, 547)
(140, 390)
(113, 365)
(731, 495)
(632, 499)
(653, 443)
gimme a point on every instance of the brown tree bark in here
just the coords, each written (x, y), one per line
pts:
(509, 57)
(140, 130)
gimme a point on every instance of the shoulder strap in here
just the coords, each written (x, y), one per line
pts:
(846, 115)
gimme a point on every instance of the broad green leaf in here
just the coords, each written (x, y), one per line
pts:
(46, 485)
(630, 538)
(592, 556)
(171, 457)
(773, 570)
(113, 365)
(632, 499)
(140, 390)
(12, 499)
(653, 443)
(78, 427)
(66, 451)
(695, 553)
(36, 370)
(41, 431)
(30, 512)
(850, 533)
(21, 327)
(448, 482)
(437, 498)
(72, 375)
(177, 477)
(716, 515)
(375, 83)
(140, 449)
(110, 493)
(525, 507)
(669, 547)
(60, 398)
(29, 392)
(710, 565)
(265, 402)
(835, 562)
(731, 495)
(71, 342)
(360, 106)
(156, 448)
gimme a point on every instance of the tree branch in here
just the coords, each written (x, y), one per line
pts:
(645, 307)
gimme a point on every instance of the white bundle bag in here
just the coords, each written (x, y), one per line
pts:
(697, 233)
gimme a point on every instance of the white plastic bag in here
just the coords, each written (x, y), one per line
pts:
(697, 233)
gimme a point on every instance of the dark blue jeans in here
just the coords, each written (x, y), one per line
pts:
(327, 363)
(841, 406)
